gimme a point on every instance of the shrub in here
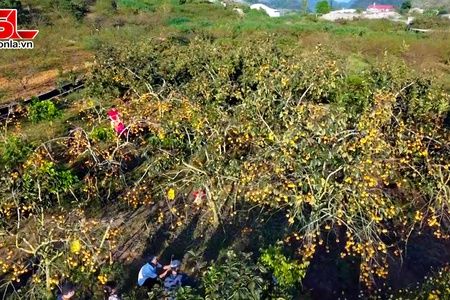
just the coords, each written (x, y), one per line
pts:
(187, 293)
(102, 134)
(406, 5)
(106, 6)
(43, 110)
(323, 7)
(15, 4)
(14, 151)
(76, 8)
(288, 273)
(431, 22)
(234, 278)
(430, 12)
(40, 175)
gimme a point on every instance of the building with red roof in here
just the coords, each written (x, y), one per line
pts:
(376, 8)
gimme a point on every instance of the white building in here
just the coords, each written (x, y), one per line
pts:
(270, 11)
(343, 11)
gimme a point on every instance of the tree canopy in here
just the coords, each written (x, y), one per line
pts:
(406, 5)
(323, 7)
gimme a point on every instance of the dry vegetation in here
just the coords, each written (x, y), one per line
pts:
(324, 146)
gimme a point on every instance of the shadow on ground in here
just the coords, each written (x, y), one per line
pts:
(328, 277)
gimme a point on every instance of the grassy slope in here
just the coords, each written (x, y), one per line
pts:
(398, 3)
(58, 52)
(431, 4)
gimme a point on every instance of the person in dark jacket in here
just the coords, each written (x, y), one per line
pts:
(175, 278)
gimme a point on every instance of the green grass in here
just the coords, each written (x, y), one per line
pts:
(356, 64)
(2, 94)
(142, 5)
(46, 130)
(177, 21)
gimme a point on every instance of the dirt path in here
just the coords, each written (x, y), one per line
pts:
(28, 77)
(32, 85)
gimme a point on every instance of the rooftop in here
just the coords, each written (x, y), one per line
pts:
(380, 6)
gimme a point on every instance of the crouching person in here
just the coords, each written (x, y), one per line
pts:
(151, 272)
(175, 278)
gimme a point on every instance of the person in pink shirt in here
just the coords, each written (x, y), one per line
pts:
(114, 114)
(116, 122)
(114, 117)
(120, 128)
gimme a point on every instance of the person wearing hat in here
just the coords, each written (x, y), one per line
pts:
(148, 275)
(67, 291)
(175, 278)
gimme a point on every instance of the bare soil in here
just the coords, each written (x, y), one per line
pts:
(35, 80)
(31, 86)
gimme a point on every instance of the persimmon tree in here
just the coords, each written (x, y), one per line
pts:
(291, 131)
(353, 161)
